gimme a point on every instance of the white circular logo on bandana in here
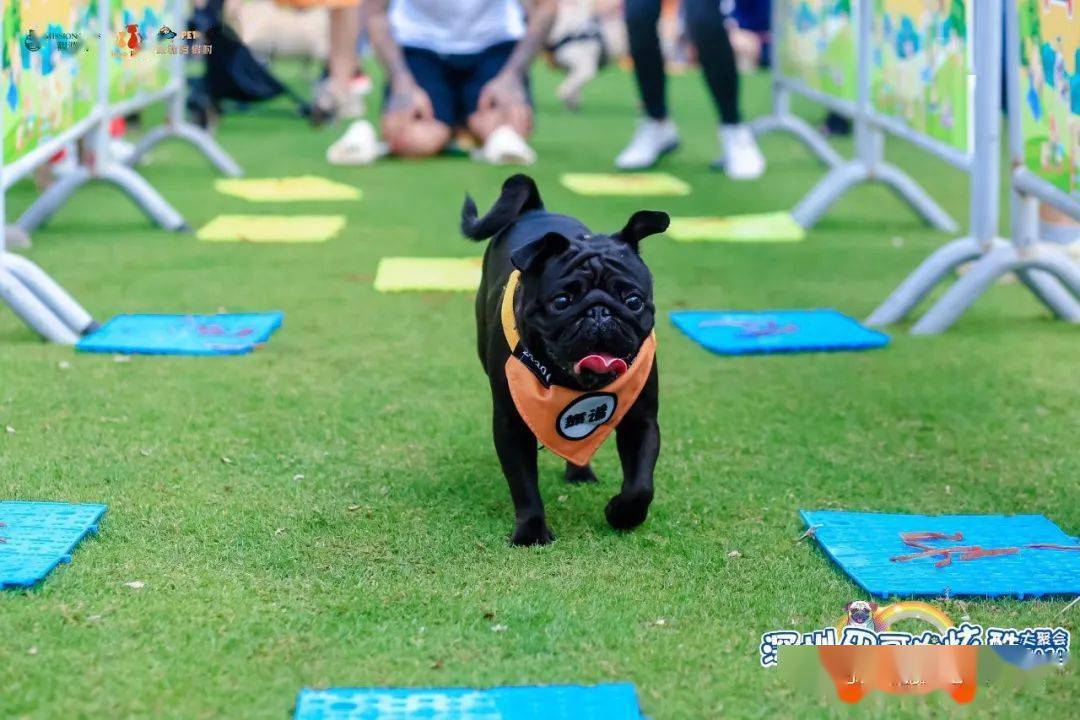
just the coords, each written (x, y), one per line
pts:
(580, 418)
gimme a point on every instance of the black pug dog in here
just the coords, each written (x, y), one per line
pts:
(564, 320)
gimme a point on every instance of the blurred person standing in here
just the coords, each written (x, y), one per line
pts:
(657, 134)
(340, 96)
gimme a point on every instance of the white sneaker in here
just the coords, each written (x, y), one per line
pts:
(505, 147)
(358, 146)
(652, 140)
(741, 159)
(120, 150)
(330, 105)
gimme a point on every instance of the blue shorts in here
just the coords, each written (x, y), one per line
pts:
(454, 82)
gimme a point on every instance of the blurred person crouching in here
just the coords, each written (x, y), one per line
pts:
(453, 65)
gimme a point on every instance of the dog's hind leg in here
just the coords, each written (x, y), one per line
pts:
(579, 474)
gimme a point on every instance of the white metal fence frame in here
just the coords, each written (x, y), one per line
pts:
(35, 297)
(869, 128)
(1043, 267)
(102, 166)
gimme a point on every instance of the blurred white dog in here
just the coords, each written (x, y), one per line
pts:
(585, 35)
(272, 30)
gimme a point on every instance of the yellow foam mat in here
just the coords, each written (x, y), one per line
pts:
(763, 227)
(398, 274)
(628, 184)
(272, 228)
(287, 189)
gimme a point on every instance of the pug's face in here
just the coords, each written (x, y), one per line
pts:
(587, 301)
(860, 611)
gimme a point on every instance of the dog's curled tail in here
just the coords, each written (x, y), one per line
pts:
(519, 194)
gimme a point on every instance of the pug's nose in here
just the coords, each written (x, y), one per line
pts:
(599, 313)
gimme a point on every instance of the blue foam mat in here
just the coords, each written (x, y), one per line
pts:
(221, 334)
(862, 543)
(39, 536)
(610, 701)
(734, 332)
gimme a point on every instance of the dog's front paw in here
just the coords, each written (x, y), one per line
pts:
(533, 531)
(578, 474)
(626, 511)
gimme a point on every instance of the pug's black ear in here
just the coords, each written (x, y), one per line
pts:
(528, 257)
(641, 225)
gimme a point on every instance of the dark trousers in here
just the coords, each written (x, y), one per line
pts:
(706, 28)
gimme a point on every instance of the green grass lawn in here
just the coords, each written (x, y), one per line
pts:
(329, 510)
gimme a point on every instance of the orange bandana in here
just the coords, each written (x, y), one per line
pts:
(573, 424)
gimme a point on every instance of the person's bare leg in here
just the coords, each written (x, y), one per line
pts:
(334, 98)
(411, 137)
(344, 34)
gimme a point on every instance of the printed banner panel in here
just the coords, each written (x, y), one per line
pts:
(920, 65)
(49, 70)
(1050, 90)
(818, 45)
(145, 39)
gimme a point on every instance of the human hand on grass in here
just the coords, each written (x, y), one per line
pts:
(503, 100)
(408, 101)
(503, 92)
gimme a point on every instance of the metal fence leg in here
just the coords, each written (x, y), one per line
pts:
(835, 183)
(46, 204)
(915, 196)
(1005, 258)
(33, 311)
(49, 292)
(918, 284)
(144, 195)
(1054, 261)
(201, 139)
(209, 147)
(958, 298)
(803, 132)
(1052, 293)
(148, 141)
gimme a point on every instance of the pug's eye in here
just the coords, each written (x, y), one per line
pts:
(635, 302)
(561, 302)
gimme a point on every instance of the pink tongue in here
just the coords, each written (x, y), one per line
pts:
(600, 364)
